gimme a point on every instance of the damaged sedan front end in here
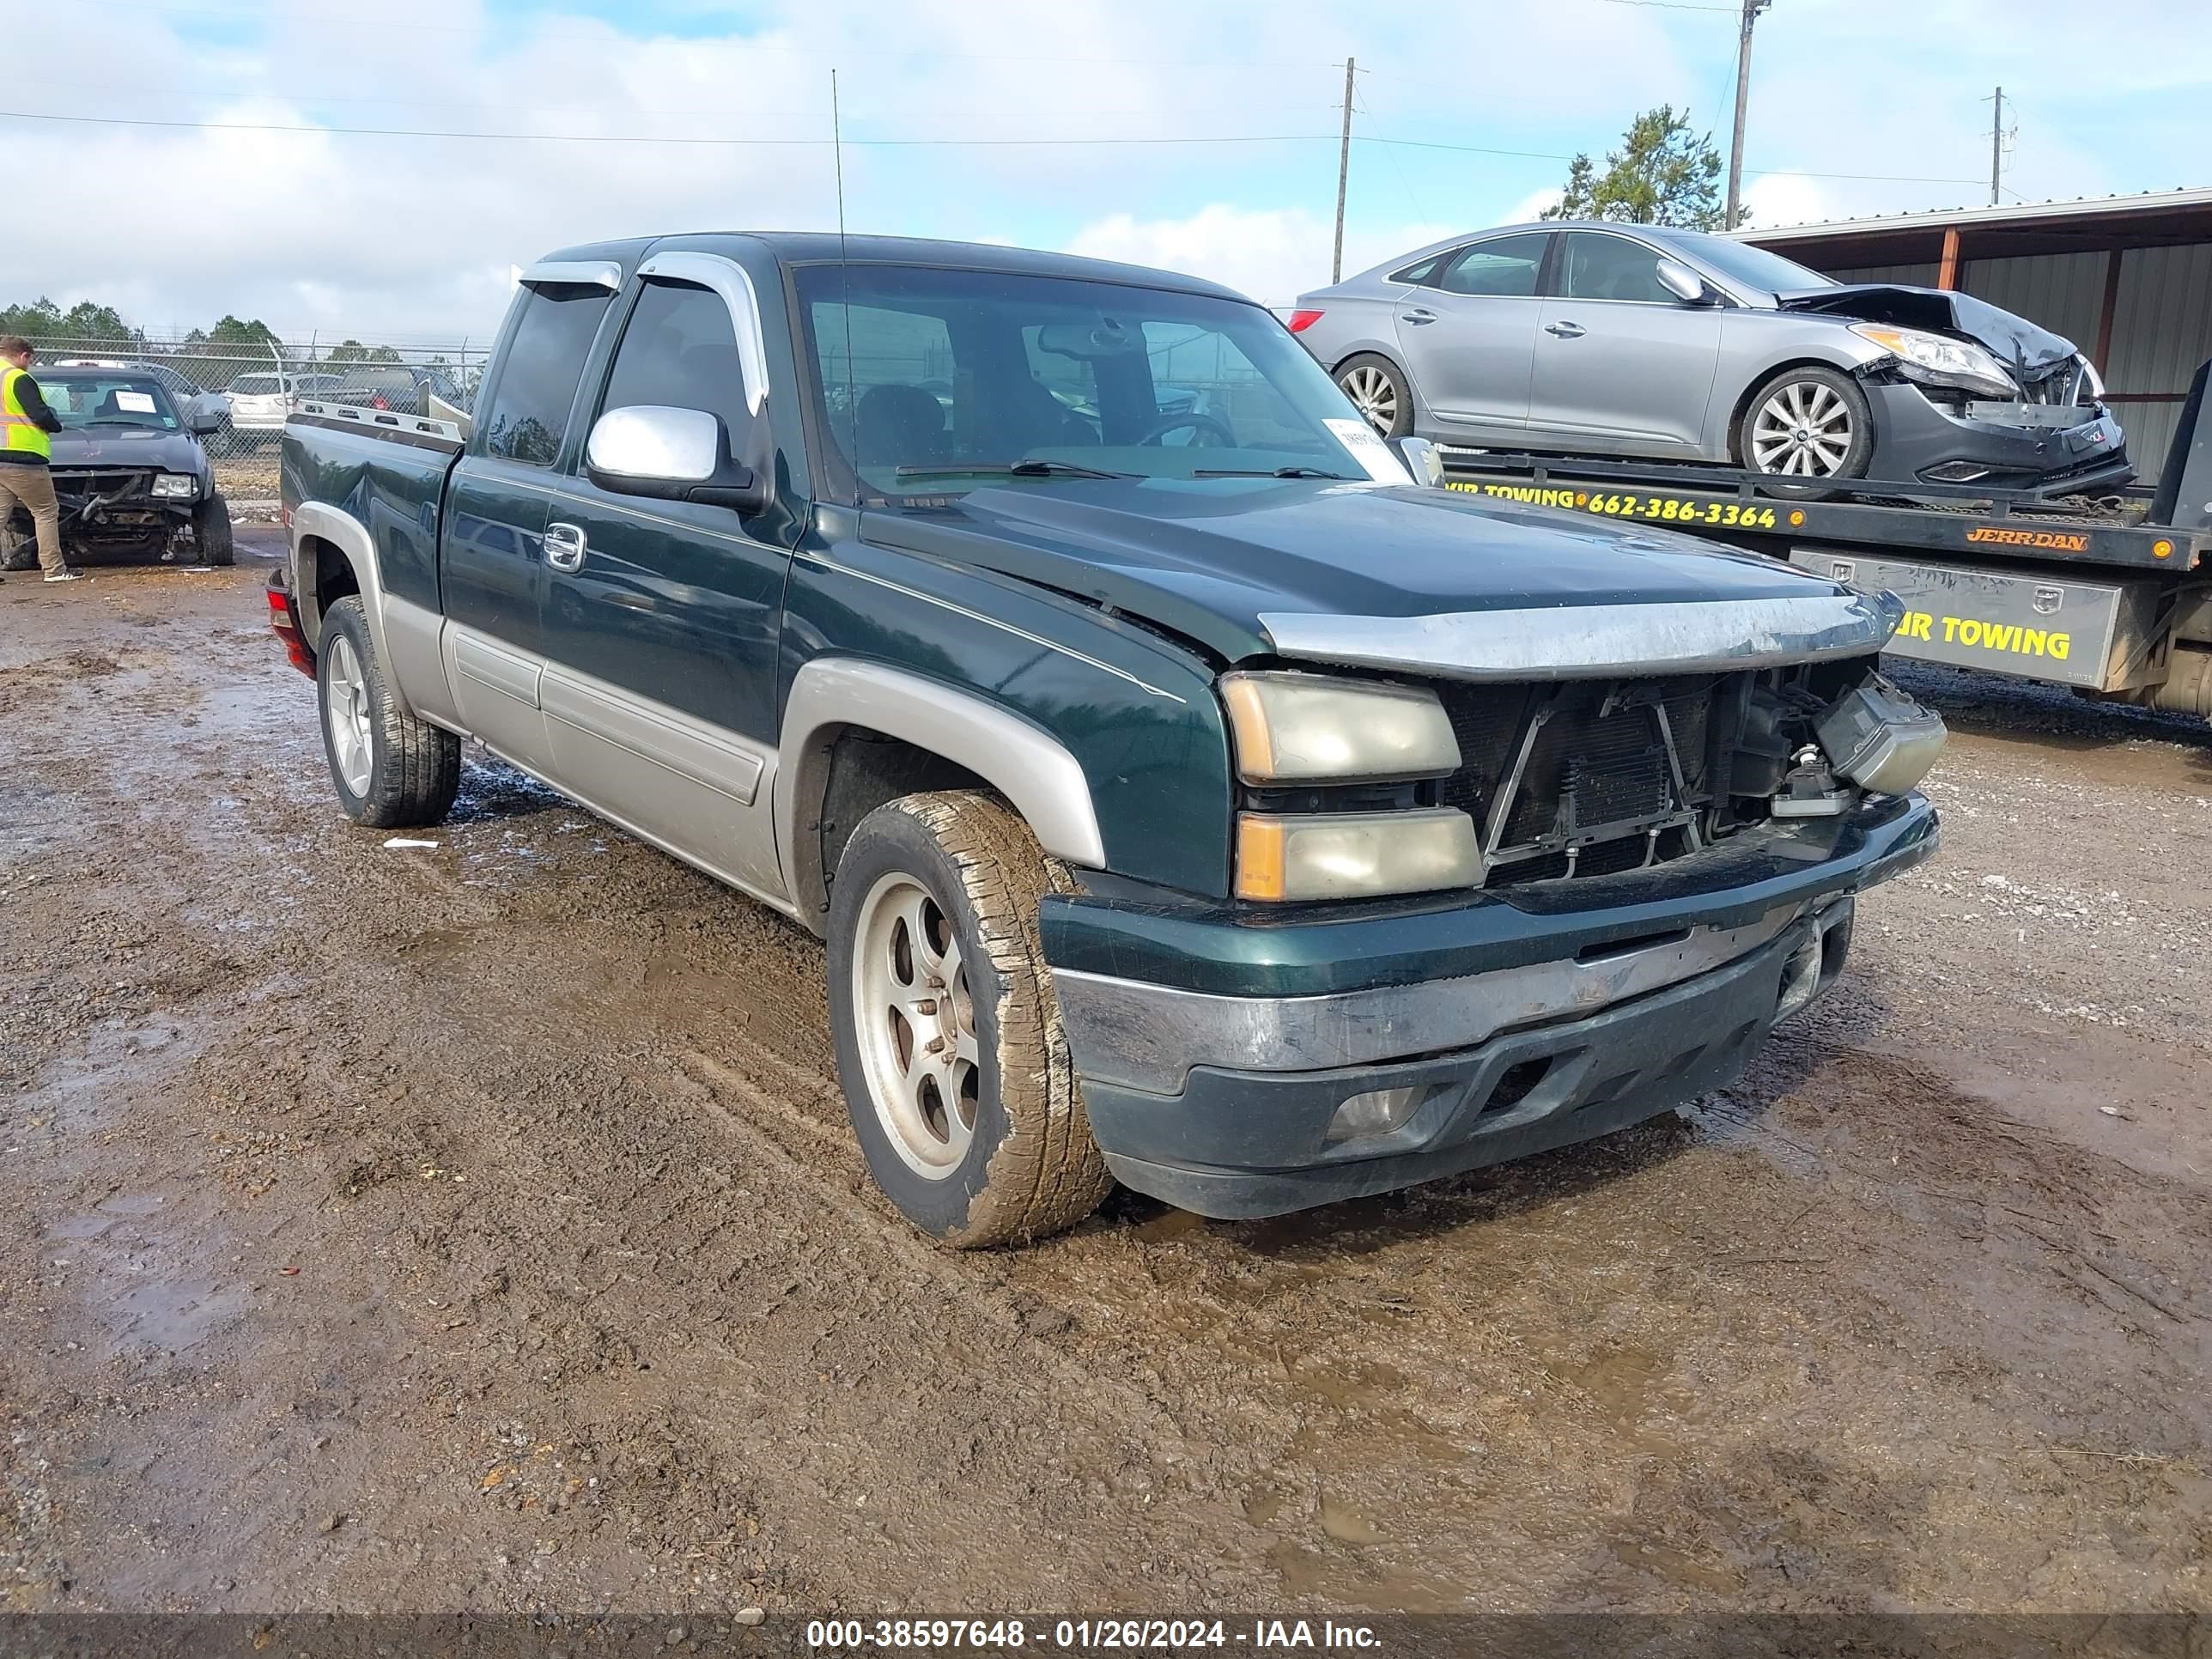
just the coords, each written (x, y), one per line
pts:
(1966, 392)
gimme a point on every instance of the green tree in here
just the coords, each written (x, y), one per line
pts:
(1665, 172)
(352, 351)
(82, 321)
(232, 332)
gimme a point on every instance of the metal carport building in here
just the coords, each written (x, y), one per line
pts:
(2127, 278)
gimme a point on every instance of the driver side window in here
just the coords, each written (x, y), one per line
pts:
(679, 349)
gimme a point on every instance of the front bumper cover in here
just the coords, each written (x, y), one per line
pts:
(1221, 1103)
(1914, 435)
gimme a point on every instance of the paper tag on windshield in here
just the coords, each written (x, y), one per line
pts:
(1367, 449)
(138, 403)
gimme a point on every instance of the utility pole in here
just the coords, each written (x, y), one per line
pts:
(1997, 149)
(1750, 10)
(1343, 174)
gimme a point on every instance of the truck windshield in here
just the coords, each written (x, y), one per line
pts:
(926, 372)
(87, 400)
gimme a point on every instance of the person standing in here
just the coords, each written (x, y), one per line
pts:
(26, 450)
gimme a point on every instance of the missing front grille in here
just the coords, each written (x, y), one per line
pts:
(1582, 778)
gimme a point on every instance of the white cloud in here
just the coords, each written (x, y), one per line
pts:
(384, 236)
(1270, 254)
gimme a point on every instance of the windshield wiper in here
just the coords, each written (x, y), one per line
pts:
(1024, 469)
(129, 423)
(1278, 472)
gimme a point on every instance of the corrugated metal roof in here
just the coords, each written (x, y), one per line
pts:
(2026, 213)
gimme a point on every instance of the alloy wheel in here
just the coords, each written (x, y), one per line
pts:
(1804, 429)
(916, 1026)
(1371, 390)
(345, 714)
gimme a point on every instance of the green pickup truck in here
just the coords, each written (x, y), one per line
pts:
(1188, 792)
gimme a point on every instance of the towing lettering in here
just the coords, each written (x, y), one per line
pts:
(2009, 638)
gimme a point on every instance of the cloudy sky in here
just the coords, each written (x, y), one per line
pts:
(206, 167)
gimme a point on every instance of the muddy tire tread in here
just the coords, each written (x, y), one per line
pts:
(1049, 1173)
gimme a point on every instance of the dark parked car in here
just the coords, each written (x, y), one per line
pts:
(130, 469)
(1641, 340)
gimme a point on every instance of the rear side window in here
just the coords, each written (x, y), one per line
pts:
(680, 350)
(1595, 266)
(528, 415)
(1507, 266)
(1423, 274)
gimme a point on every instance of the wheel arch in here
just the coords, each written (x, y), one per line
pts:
(857, 734)
(333, 556)
(1839, 364)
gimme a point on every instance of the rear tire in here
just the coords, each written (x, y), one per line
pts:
(958, 1077)
(390, 770)
(1806, 424)
(211, 532)
(1380, 390)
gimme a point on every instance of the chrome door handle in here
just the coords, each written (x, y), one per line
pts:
(1565, 331)
(564, 546)
(1417, 316)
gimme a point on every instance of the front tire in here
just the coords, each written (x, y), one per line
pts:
(211, 532)
(1807, 423)
(957, 1075)
(1379, 389)
(390, 770)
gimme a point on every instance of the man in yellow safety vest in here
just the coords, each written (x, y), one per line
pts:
(25, 451)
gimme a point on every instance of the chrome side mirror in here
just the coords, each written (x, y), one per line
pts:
(1684, 284)
(670, 454)
(204, 414)
(1424, 459)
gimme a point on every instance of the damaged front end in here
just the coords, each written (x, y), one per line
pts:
(1969, 393)
(124, 511)
(1650, 736)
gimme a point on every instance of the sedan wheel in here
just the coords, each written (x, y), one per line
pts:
(1370, 389)
(1803, 429)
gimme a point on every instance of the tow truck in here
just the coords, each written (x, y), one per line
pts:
(2110, 595)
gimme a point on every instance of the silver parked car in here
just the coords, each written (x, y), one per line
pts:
(1638, 341)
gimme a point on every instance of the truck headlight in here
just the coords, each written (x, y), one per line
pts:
(1347, 856)
(1940, 359)
(1310, 728)
(1879, 738)
(169, 485)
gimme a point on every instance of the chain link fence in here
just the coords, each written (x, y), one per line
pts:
(252, 385)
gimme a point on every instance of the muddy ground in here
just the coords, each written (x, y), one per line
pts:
(479, 1227)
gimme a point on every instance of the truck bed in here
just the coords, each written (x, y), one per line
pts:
(388, 470)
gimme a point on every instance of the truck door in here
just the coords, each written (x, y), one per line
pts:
(662, 617)
(491, 562)
(1622, 367)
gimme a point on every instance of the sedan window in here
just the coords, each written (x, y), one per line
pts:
(1506, 266)
(1599, 267)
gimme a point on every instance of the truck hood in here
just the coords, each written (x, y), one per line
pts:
(2011, 339)
(115, 445)
(1390, 575)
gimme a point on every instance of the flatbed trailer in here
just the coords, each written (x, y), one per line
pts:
(2111, 595)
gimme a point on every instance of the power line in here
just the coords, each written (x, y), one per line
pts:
(652, 138)
(882, 143)
(312, 99)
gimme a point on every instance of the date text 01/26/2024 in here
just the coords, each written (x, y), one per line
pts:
(1085, 1635)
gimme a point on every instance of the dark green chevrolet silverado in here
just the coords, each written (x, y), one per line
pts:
(1185, 794)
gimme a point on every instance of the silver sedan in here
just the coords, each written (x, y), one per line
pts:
(1638, 341)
